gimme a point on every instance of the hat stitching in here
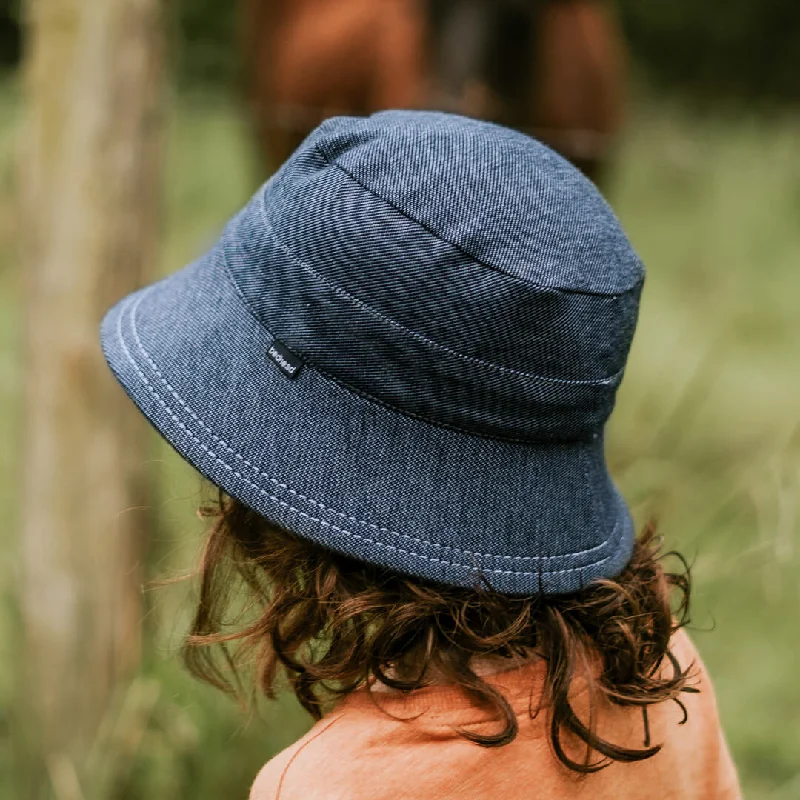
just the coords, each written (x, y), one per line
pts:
(323, 522)
(607, 381)
(461, 248)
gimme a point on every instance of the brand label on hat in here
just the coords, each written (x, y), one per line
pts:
(288, 363)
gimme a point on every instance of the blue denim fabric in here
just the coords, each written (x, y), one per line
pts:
(462, 302)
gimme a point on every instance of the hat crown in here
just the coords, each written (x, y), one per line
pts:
(452, 269)
(500, 196)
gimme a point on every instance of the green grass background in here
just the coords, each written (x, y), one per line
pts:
(706, 438)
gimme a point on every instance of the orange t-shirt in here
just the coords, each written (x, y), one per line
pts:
(360, 752)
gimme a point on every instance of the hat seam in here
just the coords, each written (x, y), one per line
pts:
(609, 380)
(172, 414)
(427, 227)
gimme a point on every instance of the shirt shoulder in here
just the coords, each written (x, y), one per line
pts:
(272, 782)
(357, 752)
(333, 761)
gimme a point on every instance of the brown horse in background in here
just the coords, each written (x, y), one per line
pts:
(553, 68)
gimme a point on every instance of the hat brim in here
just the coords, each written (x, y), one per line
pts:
(345, 471)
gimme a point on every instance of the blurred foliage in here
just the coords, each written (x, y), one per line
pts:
(10, 36)
(718, 49)
(721, 50)
(204, 42)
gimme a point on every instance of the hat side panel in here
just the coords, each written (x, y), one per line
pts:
(375, 355)
(332, 227)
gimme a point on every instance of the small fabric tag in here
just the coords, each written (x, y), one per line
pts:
(288, 363)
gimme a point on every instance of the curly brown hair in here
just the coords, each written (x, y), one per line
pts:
(333, 624)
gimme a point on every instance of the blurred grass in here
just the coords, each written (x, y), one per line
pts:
(707, 431)
(706, 438)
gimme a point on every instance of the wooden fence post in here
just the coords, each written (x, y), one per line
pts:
(90, 200)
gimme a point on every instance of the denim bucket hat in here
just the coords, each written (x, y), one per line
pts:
(405, 348)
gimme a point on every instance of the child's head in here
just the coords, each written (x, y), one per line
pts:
(332, 624)
(404, 351)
